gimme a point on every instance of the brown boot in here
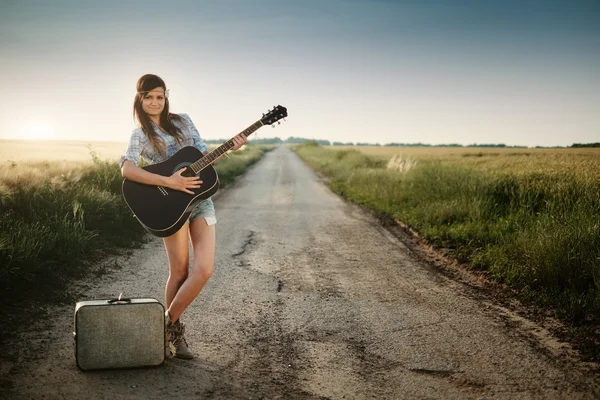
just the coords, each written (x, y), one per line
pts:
(169, 335)
(176, 341)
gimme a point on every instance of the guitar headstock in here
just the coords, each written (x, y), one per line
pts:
(274, 115)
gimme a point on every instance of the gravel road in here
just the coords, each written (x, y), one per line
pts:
(310, 299)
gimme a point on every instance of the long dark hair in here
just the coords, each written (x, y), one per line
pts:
(145, 84)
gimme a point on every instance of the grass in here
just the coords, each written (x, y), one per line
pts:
(527, 217)
(58, 218)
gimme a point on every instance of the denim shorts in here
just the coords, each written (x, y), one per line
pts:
(205, 209)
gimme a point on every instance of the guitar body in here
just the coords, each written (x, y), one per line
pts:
(163, 211)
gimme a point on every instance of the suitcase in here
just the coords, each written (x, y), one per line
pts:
(119, 333)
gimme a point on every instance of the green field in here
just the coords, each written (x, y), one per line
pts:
(527, 217)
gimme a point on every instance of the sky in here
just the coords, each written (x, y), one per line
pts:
(523, 73)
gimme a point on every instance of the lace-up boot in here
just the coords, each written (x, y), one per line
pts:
(176, 341)
(169, 334)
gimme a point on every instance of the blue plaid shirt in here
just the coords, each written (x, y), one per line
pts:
(139, 145)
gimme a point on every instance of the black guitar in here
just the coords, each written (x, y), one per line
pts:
(163, 211)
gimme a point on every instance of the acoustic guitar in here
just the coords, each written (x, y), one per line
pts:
(163, 211)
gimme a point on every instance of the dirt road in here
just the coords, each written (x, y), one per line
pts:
(310, 299)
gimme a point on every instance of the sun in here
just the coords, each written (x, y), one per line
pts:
(35, 130)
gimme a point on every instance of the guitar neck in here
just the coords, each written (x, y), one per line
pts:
(214, 155)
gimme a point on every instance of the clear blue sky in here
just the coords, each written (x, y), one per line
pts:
(477, 71)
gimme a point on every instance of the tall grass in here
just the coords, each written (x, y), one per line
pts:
(531, 220)
(56, 218)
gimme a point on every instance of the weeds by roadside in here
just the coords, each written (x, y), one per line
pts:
(537, 229)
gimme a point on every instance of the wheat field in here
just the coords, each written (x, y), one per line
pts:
(58, 150)
(575, 162)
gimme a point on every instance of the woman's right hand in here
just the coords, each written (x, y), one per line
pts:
(183, 183)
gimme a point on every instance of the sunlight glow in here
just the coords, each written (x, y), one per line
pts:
(35, 130)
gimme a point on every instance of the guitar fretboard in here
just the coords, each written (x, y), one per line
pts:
(222, 149)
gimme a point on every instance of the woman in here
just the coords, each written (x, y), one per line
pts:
(159, 136)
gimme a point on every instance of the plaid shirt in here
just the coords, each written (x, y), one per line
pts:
(139, 145)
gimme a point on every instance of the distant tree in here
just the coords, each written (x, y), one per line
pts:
(343, 144)
(498, 146)
(407, 144)
(310, 143)
(486, 145)
(295, 140)
(274, 140)
(586, 144)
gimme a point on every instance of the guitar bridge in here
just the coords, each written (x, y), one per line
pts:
(163, 190)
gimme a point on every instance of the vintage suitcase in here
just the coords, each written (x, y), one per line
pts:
(119, 333)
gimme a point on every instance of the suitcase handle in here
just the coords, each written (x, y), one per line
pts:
(124, 299)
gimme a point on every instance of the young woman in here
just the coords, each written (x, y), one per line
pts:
(159, 136)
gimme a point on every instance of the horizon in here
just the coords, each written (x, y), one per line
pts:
(462, 71)
(355, 144)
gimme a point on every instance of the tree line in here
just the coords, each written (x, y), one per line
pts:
(323, 142)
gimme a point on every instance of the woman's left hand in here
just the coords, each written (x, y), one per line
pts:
(239, 140)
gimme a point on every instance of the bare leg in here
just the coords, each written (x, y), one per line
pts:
(177, 247)
(203, 244)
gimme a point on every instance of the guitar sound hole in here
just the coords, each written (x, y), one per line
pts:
(188, 173)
